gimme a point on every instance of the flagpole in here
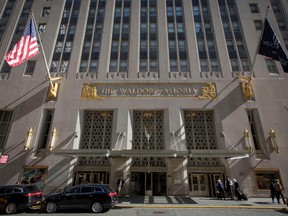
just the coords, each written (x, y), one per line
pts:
(258, 45)
(41, 46)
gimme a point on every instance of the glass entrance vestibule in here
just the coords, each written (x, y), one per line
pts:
(148, 183)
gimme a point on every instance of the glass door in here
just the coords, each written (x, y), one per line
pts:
(198, 184)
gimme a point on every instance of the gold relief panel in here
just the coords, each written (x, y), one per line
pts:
(89, 92)
(200, 91)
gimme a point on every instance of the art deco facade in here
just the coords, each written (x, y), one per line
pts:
(157, 92)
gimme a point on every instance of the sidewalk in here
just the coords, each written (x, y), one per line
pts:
(195, 202)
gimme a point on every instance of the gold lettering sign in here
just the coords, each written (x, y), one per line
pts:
(200, 91)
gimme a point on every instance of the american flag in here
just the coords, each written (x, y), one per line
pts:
(26, 48)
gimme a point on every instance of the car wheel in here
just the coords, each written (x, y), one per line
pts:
(51, 207)
(97, 207)
(11, 208)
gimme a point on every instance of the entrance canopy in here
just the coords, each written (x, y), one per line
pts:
(224, 153)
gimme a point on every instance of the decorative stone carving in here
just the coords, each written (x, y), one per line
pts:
(208, 92)
(89, 92)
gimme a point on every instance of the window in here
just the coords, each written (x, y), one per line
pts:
(282, 26)
(196, 10)
(64, 66)
(148, 130)
(245, 65)
(258, 25)
(123, 66)
(7, 12)
(73, 190)
(114, 46)
(170, 27)
(100, 138)
(37, 175)
(124, 46)
(173, 65)
(183, 65)
(46, 11)
(152, 28)
(153, 66)
(263, 178)
(5, 119)
(42, 28)
(30, 68)
(20, 29)
(198, 27)
(254, 119)
(204, 65)
(234, 65)
(200, 129)
(271, 66)
(230, 45)
(46, 128)
(25, 13)
(169, 11)
(93, 66)
(125, 28)
(254, 8)
(62, 29)
(83, 66)
(54, 66)
(85, 189)
(2, 28)
(172, 46)
(86, 47)
(143, 67)
(275, 8)
(113, 66)
(72, 29)
(98, 189)
(178, 11)
(68, 47)
(180, 27)
(59, 47)
(66, 13)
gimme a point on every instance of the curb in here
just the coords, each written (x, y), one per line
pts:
(177, 206)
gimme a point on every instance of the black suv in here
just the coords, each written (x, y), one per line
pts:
(96, 197)
(19, 197)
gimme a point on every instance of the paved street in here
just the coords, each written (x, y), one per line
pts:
(173, 212)
(184, 206)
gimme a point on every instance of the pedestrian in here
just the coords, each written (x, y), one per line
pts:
(273, 192)
(237, 189)
(279, 191)
(119, 183)
(228, 187)
(220, 188)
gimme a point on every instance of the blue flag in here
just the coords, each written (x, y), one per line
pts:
(270, 46)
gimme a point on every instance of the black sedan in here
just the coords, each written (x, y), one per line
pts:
(96, 197)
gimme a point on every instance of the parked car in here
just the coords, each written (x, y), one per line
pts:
(96, 197)
(19, 197)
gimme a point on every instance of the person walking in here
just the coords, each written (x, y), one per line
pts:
(273, 192)
(228, 187)
(279, 191)
(119, 183)
(220, 188)
(237, 189)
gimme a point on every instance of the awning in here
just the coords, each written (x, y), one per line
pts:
(224, 153)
